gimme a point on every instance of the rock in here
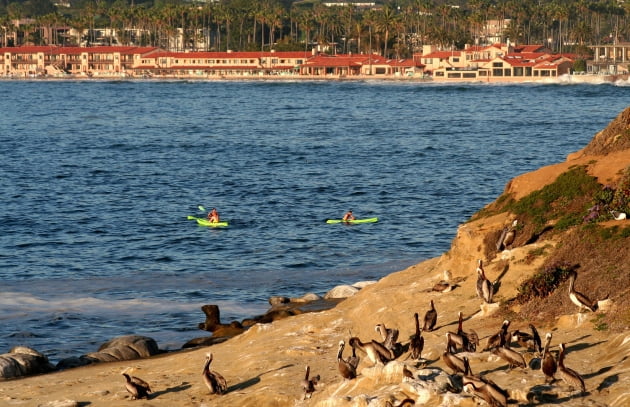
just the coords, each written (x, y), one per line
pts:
(213, 317)
(60, 403)
(126, 347)
(362, 284)
(341, 291)
(23, 361)
(205, 341)
(307, 298)
(276, 300)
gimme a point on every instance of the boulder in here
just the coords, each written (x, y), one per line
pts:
(126, 347)
(341, 291)
(23, 361)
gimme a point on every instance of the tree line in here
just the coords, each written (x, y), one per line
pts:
(390, 28)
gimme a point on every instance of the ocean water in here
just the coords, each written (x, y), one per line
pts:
(98, 178)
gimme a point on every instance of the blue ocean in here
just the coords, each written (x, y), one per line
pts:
(98, 178)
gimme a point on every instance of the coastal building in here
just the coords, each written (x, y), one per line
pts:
(610, 59)
(348, 65)
(494, 63)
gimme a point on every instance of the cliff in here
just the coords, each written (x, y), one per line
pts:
(563, 225)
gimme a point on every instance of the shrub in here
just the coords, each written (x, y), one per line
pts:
(543, 283)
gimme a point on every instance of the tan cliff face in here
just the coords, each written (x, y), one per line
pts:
(265, 365)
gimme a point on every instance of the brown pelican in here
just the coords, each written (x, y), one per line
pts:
(347, 367)
(470, 340)
(548, 364)
(492, 394)
(374, 350)
(443, 285)
(485, 289)
(527, 340)
(498, 339)
(578, 298)
(430, 318)
(308, 384)
(213, 380)
(417, 341)
(137, 387)
(507, 238)
(390, 338)
(570, 376)
(454, 362)
(514, 358)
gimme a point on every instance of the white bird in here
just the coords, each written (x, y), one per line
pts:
(618, 215)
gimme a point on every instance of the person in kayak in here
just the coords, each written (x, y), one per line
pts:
(348, 216)
(213, 216)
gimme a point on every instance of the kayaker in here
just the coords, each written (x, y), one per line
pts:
(348, 216)
(213, 216)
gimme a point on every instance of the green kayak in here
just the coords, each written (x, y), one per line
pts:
(206, 222)
(352, 222)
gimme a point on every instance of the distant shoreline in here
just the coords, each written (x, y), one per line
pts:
(563, 79)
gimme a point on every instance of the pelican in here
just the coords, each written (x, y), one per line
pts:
(374, 350)
(618, 215)
(137, 387)
(213, 380)
(454, 362)
(570, 376)
(526, 340)
(430, 318)
(536, 339)
(514, 358)
(347, 367)
(485, 289)
(390, 338)
(492, 394)
(308, 385)
(548, 364)
(578, 298)
(498, 339)
(507, 237)
(417, 341)
(470, 339)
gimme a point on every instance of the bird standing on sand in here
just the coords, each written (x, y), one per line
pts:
(416, 344)
(578, 298)
(470, 339)
(390, 338)
(499, 338)
(137, 387)
(213, 380)
(347, 367)
(430, 318)
(374, 350)
(454, 362)
(485, 289)
(308, 384)
(570, 376)
(548, 364)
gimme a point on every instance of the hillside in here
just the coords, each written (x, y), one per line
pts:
(564, 225)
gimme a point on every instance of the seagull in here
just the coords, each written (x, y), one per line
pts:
(137, 387)
(213, 380)
(618, 215)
